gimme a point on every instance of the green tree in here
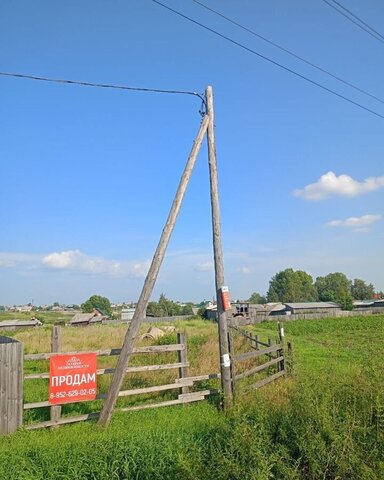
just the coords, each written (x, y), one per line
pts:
(335, 287)
(291, 286)
(187, 309)
(163, 308)
(99, 302)
(256, 298)
(361, 291)
(153, 309)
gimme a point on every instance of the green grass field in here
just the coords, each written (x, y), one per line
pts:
(326, 421)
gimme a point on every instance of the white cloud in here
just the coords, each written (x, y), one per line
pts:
(357, 223)
(204, 267)
(78, 261)
(244, 270)
(330, 185)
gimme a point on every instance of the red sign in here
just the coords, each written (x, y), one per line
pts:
(72, 378)
(225, 298)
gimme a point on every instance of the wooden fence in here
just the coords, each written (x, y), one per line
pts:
(249, 354)
(183, 383)
(263, 356)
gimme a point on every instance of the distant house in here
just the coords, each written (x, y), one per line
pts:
(16, 324)
(378, 303)
(273, 309)
(84, 319)
(210, 312)
(127, 314)
(311, 307)
(362, 304)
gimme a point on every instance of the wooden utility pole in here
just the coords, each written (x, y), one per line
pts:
(225, 364)
(150, 280)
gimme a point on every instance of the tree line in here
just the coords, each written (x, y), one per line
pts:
(163, 308)
(289, 286)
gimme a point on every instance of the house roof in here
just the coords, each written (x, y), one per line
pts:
(304, 305)
(363, 303)
(274, 307)
(82, 317)
(19, 323)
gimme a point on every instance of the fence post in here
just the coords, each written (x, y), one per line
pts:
(183, 357)
(55, 411)
(280, 329)
(270, 355)
(231, 348)
(290, 357)
(11, 385)
(257, 342)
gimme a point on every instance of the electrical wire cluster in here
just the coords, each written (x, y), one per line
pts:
(332, 3)
(345, 12)
(274, 62)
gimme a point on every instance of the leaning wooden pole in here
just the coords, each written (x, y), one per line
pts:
(218, 256)
(150, 280)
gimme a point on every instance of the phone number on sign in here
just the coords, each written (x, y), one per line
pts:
(74, 393)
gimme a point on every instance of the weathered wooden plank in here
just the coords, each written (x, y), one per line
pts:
(199, 393)
(159, 348)
(208, 376)
(138, 391)
(102, 371)
(28, 406)
(168, 403)
(185, 398)
(47, 356)
(259, 368)
(257, 353)
(156, 388)
(110, 352)
(62, 421)
(267, 380)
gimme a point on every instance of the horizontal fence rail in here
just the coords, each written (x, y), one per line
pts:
(257, 353)
(110, 352)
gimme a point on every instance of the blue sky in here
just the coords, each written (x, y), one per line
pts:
(88, 175)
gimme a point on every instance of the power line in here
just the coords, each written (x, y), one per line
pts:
(361, 25)
(252, 32)
(104, 85)
(250, 50)
(359, 19)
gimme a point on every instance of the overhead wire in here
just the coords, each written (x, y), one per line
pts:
(358, 18)
(264, 57)
(252, 32)
(371, 31)
(106, 85)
